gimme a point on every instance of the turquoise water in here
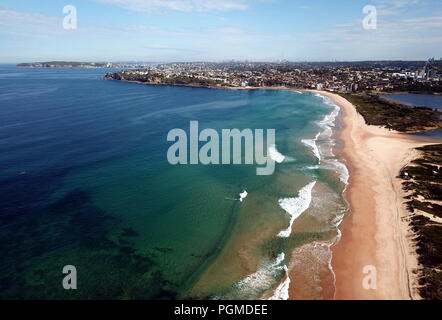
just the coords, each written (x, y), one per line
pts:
(85, 182)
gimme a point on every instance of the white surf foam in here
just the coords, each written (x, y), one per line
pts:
(342, 170)
(282, 291)
(275, 155)
(312, 167)
(259, 281)
(313, 145)
(318, 256)
(327, 124)
(327, 100)
(296, 206)
(331, 118)
(317, 253)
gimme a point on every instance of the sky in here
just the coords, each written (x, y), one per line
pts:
(220, 30)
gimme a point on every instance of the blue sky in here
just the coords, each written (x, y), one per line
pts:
(219, 30)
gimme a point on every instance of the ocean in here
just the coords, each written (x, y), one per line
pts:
(85, 182)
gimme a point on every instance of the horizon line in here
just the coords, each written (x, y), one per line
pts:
(221, 61)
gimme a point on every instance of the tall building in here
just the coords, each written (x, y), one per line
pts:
(428, 69)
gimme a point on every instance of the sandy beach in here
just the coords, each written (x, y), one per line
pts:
(374, 233)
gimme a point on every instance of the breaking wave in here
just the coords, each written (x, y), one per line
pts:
(258, 282)
(322, 147)
(275, 155)
(296, 206)
(312, 144)
(282, 291)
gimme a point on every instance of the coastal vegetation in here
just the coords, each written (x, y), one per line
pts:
(394, 116)
(423, 183)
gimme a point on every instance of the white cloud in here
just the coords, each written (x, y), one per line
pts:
(395, 7)
(30, 24)
(413, 35)
(25, 23)
(178, 5)
(395, 38)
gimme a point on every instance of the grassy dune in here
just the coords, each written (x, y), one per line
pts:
(423, 180)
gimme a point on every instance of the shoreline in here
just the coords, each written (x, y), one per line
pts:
(207, 87)
(248, 88)
(373, 232)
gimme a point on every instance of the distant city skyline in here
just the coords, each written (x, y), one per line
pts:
(219, 30)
